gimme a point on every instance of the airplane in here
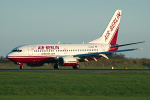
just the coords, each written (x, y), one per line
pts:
(71, 54)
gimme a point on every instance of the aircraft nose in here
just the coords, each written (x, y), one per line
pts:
(8, 55)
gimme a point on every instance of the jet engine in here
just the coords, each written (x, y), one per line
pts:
(67, 61)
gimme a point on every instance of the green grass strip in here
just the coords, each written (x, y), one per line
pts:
(47, 97)
(75, 85)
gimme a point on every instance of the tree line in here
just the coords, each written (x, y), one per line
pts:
(117, 60)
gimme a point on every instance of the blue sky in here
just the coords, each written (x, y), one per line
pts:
(25, 22)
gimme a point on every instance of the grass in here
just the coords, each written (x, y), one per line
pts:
(47, 97)
(62, 85)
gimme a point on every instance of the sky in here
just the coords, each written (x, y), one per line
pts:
(24, 22)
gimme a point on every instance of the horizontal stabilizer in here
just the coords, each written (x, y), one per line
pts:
(126, 44)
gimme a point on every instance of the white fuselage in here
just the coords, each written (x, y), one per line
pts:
(56, 50)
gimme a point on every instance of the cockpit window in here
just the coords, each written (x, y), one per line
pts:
(16, 50)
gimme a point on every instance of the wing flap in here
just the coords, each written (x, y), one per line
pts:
(97, 53)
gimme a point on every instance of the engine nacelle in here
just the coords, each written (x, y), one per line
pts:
(67, 61)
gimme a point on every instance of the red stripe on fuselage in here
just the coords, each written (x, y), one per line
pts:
(32, 59)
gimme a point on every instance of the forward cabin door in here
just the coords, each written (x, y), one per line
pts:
(30, 50)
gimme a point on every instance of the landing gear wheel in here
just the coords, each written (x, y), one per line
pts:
(21, 67)
(56, 66)
(77, 66)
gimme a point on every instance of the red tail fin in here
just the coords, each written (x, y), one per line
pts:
(111, 32)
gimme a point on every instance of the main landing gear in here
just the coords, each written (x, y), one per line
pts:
(21, 67)
(77, 66)
(56, 66)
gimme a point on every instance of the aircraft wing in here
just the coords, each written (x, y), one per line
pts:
(97, 53)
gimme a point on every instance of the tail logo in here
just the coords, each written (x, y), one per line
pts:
(107, 35)
(113, 24)
(118, 15)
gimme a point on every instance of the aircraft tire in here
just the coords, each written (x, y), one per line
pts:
(77, 66)
(21, 67)
(56, 66)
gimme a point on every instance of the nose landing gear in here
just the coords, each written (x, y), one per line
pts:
(21, 65)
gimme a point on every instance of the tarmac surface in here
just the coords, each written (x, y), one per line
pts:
(72, 70)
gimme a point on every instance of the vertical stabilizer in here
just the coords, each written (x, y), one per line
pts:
(111, 32)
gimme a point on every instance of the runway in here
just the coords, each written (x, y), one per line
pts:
(72, 70)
